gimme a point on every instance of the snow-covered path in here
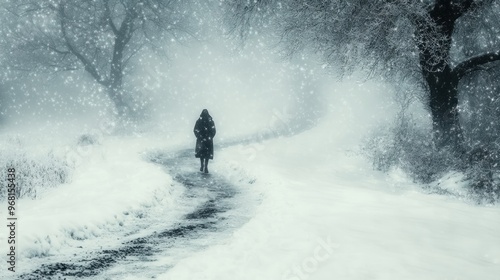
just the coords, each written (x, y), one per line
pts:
(329, 215)
(214, 208)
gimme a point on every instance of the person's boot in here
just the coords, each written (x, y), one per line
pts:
(201, 168)
(206, 166)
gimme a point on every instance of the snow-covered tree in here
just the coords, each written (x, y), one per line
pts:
(99, 36)
(438, 43)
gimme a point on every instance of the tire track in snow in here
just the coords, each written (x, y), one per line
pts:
(216, 214)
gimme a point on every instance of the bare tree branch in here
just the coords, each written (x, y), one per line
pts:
(109, 18)
(89, 67)
(473, 63)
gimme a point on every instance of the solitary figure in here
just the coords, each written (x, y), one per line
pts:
(204, 130)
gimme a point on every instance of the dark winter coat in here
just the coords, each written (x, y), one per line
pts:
(204, 130)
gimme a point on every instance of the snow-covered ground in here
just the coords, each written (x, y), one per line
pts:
(322, 212)
(111, 184)
(327, 215)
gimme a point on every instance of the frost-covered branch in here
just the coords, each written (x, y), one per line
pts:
(89, 66)
(474, 63)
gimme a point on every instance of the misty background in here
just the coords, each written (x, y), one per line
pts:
(248, 86)
(263, 69)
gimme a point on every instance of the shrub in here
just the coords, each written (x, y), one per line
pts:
(483, 173)
(480, 114)
(406, 146)
(33, 174)
(35, 170)
(87, 139)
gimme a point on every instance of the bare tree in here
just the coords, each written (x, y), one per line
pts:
(99, 36)
(435, 42)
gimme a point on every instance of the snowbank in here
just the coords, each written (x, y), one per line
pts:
(110, 184)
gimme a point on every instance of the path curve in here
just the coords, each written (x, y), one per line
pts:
(218, 212)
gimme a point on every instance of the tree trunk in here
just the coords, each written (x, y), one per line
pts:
(434, 40)
(434, 43)
(115, 88)
(115, 93)
(443, 105)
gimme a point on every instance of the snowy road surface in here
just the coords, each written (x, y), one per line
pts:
(214, 208)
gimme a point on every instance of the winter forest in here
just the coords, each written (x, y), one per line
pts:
(341, 139)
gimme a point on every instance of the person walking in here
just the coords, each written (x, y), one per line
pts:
(204, 130)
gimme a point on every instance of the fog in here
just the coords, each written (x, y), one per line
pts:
(248, 89)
